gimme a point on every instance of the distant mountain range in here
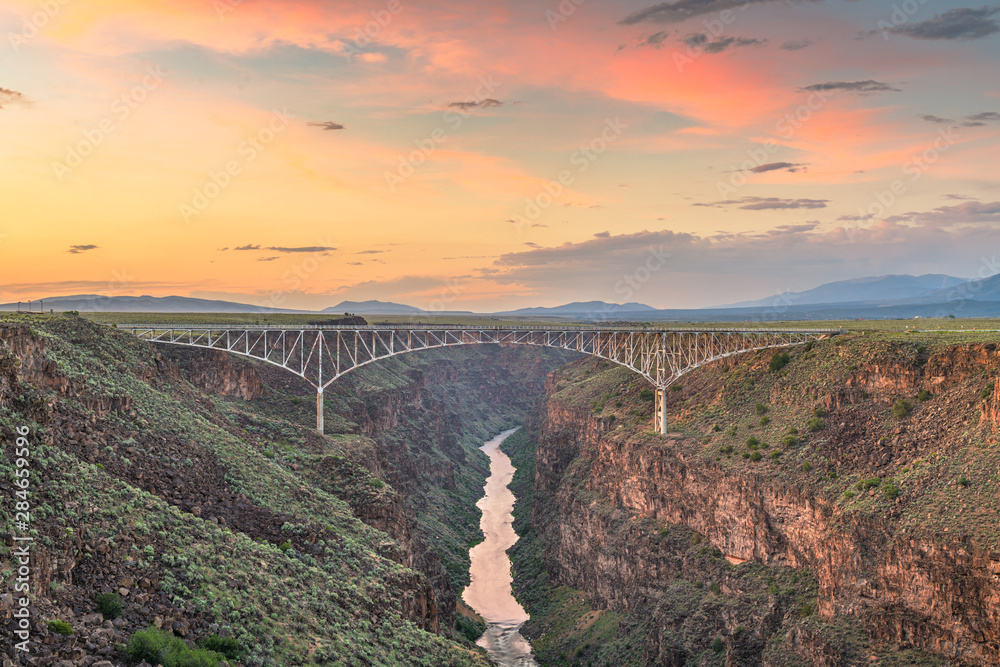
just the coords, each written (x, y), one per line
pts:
(880, 288)
(94, 303)
(384, 308)
(881, 297)
(588, 309)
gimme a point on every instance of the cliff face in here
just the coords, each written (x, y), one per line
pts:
(875, 554)
(208, 513)
(420, 418)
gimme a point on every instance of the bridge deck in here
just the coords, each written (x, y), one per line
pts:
(322, 353)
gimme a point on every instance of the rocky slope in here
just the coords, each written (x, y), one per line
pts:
(192, 486)
(839, 510)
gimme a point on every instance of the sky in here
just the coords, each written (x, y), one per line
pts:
(492, 156)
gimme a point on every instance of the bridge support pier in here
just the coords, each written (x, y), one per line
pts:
(661, 409)
(319, 411)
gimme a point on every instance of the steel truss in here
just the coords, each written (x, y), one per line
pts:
(321, 354)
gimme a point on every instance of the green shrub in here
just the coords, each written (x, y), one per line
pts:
(60, 627)
(715, 588)
(775, 455)
(962, 481)
(676, 387)
(285, 546)
(110, 605)
(818, 411)
(717, 645)
(924, 395)
(849, 494)
(753, 442)
(779, 361)
(716, 428)
(987, 390)
(647, 394)
(789, 441)
(760, 408)
(891, 491)
(156, 646)
(227, 646)
(901, 409)
(469, 628)
(764, 421)
(792, 430)
(806, 466)
(814, 424)
(755, 456)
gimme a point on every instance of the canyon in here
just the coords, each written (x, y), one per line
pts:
(837, 508)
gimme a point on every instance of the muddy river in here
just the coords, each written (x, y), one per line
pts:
(489, 592)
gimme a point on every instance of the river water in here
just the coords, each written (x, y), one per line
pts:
(489, 592)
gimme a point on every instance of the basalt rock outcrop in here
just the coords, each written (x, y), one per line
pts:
(859, 503)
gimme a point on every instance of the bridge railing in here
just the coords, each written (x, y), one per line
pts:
(464, 327)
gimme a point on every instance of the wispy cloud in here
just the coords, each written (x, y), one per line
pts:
(700, 41)
(327, 125)
(961, 23)
(767, 203)
(796, 44)
(791, 167)
(727, 264)
(311, 248)
(967, 212)
(8, 96)
(868, 86)
(77, 249)
(487, 103)
(972, 120)
(682, 10)
(655, 40)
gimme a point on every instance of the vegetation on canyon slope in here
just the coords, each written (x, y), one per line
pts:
(214, 517)
(896, 429)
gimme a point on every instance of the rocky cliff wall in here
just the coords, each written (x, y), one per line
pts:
(597, 481)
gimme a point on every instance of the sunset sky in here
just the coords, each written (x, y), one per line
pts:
(490, 156)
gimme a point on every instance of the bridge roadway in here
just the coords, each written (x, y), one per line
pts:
(320, 354)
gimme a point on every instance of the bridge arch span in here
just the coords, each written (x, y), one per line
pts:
(322, 354)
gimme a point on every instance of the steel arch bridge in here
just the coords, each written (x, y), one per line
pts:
(321, 354)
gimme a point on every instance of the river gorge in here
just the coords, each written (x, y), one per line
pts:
(489, 592)
(836, 510)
